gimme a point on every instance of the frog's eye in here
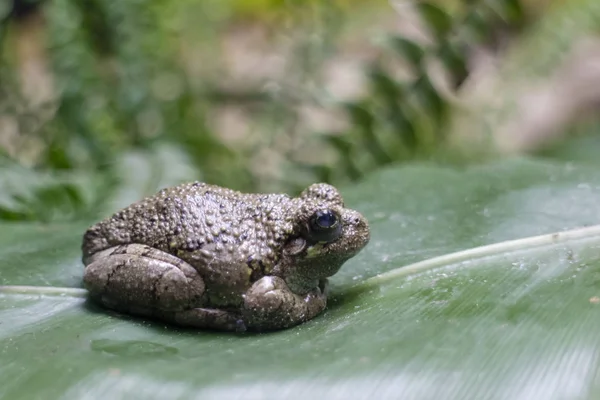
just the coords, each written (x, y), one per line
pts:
(324, 226)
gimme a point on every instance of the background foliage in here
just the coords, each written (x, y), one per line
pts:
(82, 83)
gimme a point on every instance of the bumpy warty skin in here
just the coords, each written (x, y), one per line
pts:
(233, 238)
(198, 220)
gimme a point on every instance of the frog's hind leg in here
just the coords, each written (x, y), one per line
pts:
(141, 280)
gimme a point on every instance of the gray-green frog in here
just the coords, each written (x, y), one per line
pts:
(204, 256)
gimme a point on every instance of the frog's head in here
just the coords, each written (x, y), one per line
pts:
(326, 235)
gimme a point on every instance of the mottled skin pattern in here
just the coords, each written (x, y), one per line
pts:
(205, 256)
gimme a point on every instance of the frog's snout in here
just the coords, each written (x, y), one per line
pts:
(356, 230)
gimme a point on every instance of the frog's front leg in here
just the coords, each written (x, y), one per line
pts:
(270, 304)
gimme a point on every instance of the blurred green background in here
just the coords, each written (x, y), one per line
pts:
(272, 95)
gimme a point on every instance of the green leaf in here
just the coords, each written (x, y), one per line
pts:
(409, 50)
(455, 62)
(393, 97)
(512, 11)
(365, 122)
(429, 98)
(476, 25)
(438, 20)
(344, 148)
(5, 10)
(517, 318)
(37, 196)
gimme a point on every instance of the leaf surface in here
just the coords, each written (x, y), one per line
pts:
(423, 312)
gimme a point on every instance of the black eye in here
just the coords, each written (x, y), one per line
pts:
(325, 219)
(325, 226)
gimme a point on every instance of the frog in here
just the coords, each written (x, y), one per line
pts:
(203, 256)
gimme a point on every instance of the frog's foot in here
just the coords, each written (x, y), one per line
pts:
(141, 280)
(270, 304)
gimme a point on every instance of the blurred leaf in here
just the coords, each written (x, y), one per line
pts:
(218, 162)
(344, 148)
(33, 196)
(385, 86)
(429, 98)
(323, 173)
(476, 25)
(438, 20)
(365, 123)
(96, 27)
(454, 61)
(512, 11)
(29, 195)
(409, 50)
(412, 107)
(5, 10)
(143, 172)
(519, 317)
(341, 143)
(86, 111)
(394, 98)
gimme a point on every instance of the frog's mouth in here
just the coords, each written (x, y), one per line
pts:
(306, 248)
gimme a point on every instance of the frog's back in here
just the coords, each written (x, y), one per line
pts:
(185, 218)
